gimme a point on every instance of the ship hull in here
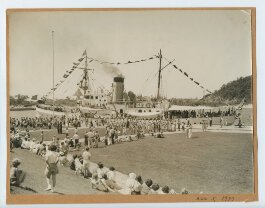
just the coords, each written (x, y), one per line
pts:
(49, 113)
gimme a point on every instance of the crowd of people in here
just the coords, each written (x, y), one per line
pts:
(201, 113)
(59, 152)
(117, 130)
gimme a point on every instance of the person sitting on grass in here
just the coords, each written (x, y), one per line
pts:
(184, 191)
(172, 191)
(100, 183)
(165, 190)
(25, 143)
(16, 175)
(78, 165)
(146, 187)
(110, 180)
(154, 189)
(133, 187)
(100, 170)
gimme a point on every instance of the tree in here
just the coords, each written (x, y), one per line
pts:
(18, 99)
(132, 96)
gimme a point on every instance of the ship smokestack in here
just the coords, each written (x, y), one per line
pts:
(118, 89)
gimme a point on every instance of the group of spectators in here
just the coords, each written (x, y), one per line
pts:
(102, 178)
(201, 114)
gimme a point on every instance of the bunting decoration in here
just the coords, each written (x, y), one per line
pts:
(192, 79)
(90, 59)
(118, 63)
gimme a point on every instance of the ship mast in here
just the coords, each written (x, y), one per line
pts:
(85, 77)
(159, 75)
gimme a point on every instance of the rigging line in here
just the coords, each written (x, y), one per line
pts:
(148, 79)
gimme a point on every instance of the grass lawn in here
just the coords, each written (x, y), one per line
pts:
(208, 162)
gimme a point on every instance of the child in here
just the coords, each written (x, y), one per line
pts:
(16, 175)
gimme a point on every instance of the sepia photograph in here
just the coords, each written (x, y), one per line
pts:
(115, 103)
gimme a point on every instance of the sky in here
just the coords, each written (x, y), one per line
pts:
(211, 46)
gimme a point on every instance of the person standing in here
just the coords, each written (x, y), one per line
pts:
(221, 122)
(189, 131)
(66, 132)
(51, 169)
(86, 162)
(179, 124)
(86, 139)
(90, 137)
(76, 139)
(211, 122)
(42, 137)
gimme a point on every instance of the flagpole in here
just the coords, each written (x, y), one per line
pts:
(53, 74)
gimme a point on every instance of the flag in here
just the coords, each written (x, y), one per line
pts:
(81, 59)
(118, 63)
(84, 53)
(180, 70)
(186, 74)
(65, 76)
(197, 83)
(75, 63)
(191, 79)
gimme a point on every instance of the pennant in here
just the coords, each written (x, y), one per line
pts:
(197, 83)
(75, 63)
(202, 87)
(180, 70)
(90, 61)
(136, 61)
(129, 62)
(191, 79)
(175, 66)
(65, 76)
(81, 59)
(61, 81)
(151, 58)
(84, 53)
(72, 69)
(186, 74)
(143, 60)
(118, 63)
(70, 72)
